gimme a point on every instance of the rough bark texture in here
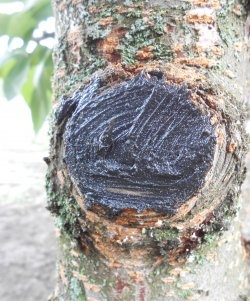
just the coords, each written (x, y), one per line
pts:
(146, 158)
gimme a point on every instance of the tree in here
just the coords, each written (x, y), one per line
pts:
(147, 149)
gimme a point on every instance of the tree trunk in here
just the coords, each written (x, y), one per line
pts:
(147, 149)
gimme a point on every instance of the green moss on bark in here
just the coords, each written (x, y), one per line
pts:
(65, 209)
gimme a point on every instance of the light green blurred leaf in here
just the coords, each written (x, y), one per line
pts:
(15, 77)
(37, 90)
(22, 24)
(23, 73)
(39, 53)
(41, 9)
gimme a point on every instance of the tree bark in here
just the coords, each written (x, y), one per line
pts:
(147, 149)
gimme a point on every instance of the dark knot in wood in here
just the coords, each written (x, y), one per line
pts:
(142, 145)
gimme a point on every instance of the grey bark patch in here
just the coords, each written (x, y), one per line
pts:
(142, 144)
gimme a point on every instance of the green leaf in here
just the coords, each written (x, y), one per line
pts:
(41, 9)
(39, 53)
(29, 74)
(18, 25)
(14, 73)
(22, 24)
(6, 66)
(37, 90)
(28, 87)
(40, 102)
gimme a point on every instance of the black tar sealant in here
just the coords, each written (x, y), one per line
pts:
(142, 144)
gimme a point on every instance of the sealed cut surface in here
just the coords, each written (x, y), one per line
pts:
(142, 144)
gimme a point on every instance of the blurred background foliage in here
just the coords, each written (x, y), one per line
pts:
(26, 39)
